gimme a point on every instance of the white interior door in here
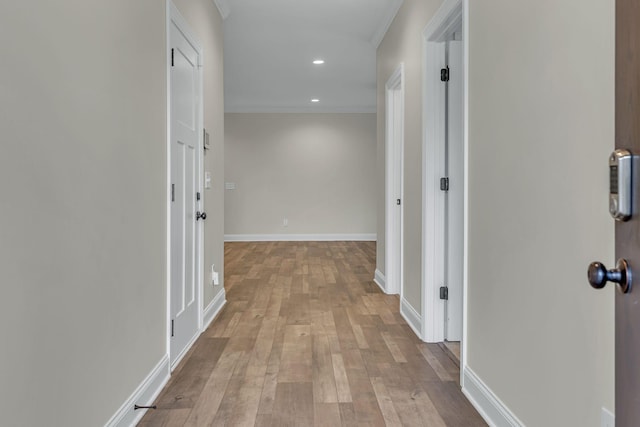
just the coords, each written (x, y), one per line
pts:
(185, 159)
(397, 189)
(454, 236)
(394, 181)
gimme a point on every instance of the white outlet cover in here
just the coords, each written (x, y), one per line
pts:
(229, 185)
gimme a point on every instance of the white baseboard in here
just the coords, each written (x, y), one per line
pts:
(413, 318)
(607, 418)
(213, 309)
(380, 280)
(144, 395)
(299, 237)
(490, 407)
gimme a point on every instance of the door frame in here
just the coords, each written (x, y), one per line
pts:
(451, 15)
(174, 16)
(394, 118)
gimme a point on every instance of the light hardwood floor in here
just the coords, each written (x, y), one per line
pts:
(307, 339)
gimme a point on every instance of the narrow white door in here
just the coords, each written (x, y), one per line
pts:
(455, 196)
(397, 187)
(394, 124)
(185, 160)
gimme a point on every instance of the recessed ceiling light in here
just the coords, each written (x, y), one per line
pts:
(318, 61)
(315, 100)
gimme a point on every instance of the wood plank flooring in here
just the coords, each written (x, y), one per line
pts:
(307, 339)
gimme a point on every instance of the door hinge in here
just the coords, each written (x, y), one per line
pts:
(173, 192)
(172, 57)
(444, 184)
(171, 327)
(444, 74)
(398, 202)
(198, 196)
(444, 293)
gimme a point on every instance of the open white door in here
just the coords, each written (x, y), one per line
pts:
(394, 172)
(454, 204)
(185, 107)
(444, 181)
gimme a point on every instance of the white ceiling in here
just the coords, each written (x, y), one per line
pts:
(269, 46)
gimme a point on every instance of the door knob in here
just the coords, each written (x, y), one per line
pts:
(599, 275)
(201, 215)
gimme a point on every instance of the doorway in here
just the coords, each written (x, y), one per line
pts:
(444, 179)
(454, 188)
(394, 173)
(185, 199)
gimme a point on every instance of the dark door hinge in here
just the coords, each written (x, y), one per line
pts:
(444, 184)
(444, 293)
(444, 74)
(171, 327)
(398, 202)
(173, 192)
(172, 57)
(198, 195)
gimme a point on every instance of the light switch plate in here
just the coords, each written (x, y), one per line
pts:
(229, 185)
(207, 180)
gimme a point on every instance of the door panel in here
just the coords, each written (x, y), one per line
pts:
(397, 185)
(178, 205)
(185, 173)
(627, 353)
(394, 182)
(455, 196)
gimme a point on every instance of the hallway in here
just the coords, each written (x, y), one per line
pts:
(307, 338)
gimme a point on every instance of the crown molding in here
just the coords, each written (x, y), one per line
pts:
(223, 8)
(391, 13)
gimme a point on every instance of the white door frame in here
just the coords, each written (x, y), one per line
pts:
(174, 16)
(452, 15)
(394, 144)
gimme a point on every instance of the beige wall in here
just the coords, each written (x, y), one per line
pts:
(540, 129)
(403, 43)
(83, 223)
(316, 170)
(541, 126)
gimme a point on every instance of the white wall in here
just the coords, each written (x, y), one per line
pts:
(541, 126)
(83, 223)
(316, 170)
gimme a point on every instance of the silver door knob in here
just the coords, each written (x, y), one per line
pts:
(201, 215)
(599, 275)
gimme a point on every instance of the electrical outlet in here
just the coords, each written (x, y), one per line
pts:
(285, 222)
(607, 419)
